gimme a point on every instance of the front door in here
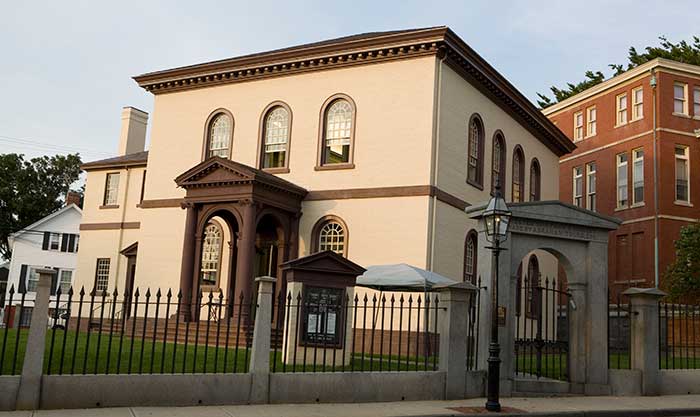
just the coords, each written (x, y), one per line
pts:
(129, 285)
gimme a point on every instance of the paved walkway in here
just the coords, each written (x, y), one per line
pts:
(687, 405)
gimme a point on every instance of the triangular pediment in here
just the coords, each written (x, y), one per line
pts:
(326, 261)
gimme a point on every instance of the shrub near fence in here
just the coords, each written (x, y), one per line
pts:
(148, 333)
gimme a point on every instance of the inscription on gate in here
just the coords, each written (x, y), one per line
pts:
(536, 227)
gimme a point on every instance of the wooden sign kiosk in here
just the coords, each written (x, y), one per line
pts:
(322, 287)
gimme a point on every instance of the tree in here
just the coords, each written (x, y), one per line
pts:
(682, 278)
(682, 51)
(30, 190)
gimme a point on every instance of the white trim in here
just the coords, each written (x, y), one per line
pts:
(611, 144)
(660, 64)
(589, 111)
(678, 132)
(636, 103)
(45, 219)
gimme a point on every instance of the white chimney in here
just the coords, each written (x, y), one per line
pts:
(132, 138)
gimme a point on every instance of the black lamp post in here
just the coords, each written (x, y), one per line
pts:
(497, 217)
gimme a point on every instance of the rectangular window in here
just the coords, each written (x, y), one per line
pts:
(54, 241)
(590, 186)
(680, 98)
(578, 126)
(622, 181)
(696, 102)
(621, 109)
(111, 189)
(102, 274)
(682, 174)
(637, 103)
(65, 281)
(637, 176)
(591, 121)
(32, 280)
(578, 186)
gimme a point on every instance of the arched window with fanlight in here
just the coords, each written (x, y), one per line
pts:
(211, 255)
(475, 151)
(275, 137)
(338, 133)
(470, 257)
(498, 163)
(219, 135)
(535, 180)
(330, 233)
(518, 179)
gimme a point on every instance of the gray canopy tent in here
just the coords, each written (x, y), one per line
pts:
(401, 277)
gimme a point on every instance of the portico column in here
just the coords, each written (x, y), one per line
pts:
(293, 252)
(188, 257)
(246, 251)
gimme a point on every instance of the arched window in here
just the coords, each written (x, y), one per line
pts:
(330, 233)
(475, 152)
(533, 280)
(470, 257)
(535, 180)
(498, 163)
(518, 188)
(219, 134)
(211, 254)
(338, 132)
(275, 144)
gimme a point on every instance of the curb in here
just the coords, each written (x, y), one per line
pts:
(662, 412)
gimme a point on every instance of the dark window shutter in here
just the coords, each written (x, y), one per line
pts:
(71, 242)
(54, 281)
(64, 242)
(45, 244)
(22, 286)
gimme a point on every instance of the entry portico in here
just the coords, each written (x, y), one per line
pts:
(256, 206)
(578, 239)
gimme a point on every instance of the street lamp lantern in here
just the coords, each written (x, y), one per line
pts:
(497, 219)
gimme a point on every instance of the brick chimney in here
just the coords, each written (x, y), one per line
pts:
(132, 138)
(72, 198)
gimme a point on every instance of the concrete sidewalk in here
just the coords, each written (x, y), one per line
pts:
(686, 405)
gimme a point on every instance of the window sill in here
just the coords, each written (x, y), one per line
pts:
(475, 185)
(683, 115)
(578, 139)
(683, 203)
(696, 117)
(332, 167)
(591, 136)
(109, 206)
(282, 170)
(635, 205)
(621, 208)
(637, 119)
(620, 125)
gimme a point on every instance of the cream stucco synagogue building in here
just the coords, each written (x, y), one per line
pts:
(369, 145)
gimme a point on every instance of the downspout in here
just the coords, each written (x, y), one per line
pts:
(120, 243)
(432, 208)
(653, 82)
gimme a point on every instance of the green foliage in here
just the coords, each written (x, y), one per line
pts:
(30, 190)
(682, 51)
(682, 278)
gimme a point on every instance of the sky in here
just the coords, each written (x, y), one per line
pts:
(66, 66)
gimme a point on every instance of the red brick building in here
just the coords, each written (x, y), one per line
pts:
(637, 157)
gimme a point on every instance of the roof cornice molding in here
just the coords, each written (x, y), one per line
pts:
(658, 64)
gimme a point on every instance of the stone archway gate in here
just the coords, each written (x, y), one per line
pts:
(578, 238)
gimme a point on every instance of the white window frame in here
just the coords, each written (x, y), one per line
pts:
(591, 170)
(591, 121)
(618, 194)
(578, 126)
(637, 159)
(68, 284)
(637, 105)
(32, 279)
(111, 196)
(696, 102)
(683, 99)
(578, 179)
(621, 112)
(54, 241)
(685, 157)
(102, 275)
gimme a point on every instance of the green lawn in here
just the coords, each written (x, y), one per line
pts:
(135, 357)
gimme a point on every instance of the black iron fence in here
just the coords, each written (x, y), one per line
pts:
(14, 329)
(679, 336)
(619, 341)
(148, 332)
(327, 330)
(541, 329)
